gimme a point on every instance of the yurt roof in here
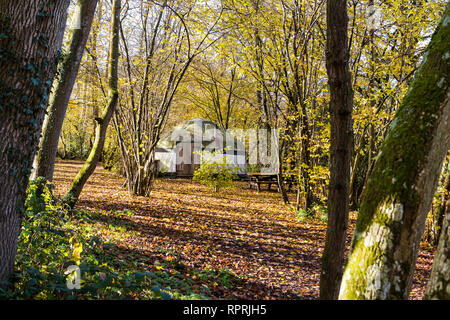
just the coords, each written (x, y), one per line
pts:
(197, 125)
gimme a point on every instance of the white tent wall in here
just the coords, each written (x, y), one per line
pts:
(167, 161)
(232, 160)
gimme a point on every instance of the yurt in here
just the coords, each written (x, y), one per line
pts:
(178, 152)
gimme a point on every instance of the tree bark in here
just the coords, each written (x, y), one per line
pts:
(341, 105)
(31, 34)
(439, 284)
(440, 220)
(44, 161)
(400, 189)
(89, 166)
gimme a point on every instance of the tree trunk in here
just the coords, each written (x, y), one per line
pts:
(441, 211)
(401, 187)
(89, 166)
(353, 175)
(62, 88)
(439, 284)
(31, 34)
(341, 105)
(280, 180)
(305, 156)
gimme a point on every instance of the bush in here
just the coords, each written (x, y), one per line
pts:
(215, 171)
(318, 211)
(303, 214)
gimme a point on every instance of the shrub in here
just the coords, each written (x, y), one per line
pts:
(318, 211)
(215, 171)
(303, 214)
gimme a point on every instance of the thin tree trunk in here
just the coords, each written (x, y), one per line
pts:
(369, 162)
(439, 284)
(44, 161)
(372, 104)
(341, 105)
(353, 188)
(439, 224)
(398, 197)
(306, 162)
(280, 179)
(89, 166)
(31, 36)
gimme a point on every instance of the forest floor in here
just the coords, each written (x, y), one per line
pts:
(259, 245)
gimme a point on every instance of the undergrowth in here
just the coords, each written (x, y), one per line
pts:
(55, 240)
(316, 212)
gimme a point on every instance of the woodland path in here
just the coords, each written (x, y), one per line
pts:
(253, 234)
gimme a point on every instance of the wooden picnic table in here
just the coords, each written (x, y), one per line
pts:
(257, 179)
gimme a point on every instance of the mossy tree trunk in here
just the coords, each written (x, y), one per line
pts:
(341, 137)
(62, 88)
(439, 284)
(90, 164)
(31, 34)
(399, 192)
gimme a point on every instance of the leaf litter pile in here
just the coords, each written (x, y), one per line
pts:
(237, 243)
